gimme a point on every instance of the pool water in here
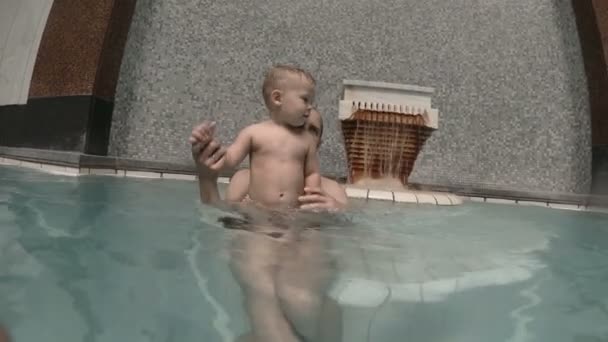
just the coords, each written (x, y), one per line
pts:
(115, 259)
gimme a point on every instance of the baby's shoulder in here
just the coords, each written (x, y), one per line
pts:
(253, 128)
(263, 128)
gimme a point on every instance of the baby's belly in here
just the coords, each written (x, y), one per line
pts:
(278, 186)
(274, 198)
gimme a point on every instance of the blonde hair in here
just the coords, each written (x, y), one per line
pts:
(278, 73)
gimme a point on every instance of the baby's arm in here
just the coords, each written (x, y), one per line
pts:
(312, 175)
(239, 149)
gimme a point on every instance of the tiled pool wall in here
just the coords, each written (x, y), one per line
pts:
(509, 78)
(418, 197)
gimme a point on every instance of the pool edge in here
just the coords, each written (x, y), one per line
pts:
(76, 164)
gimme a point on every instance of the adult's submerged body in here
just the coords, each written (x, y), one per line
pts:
(284, 280)
(3, 335)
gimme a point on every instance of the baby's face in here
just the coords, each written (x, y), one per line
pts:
(297, 100)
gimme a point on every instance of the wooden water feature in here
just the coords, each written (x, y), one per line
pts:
(385, 126)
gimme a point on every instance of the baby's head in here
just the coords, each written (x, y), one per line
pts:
(289, 94)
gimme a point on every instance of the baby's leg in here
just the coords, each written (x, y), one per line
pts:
(254, 258)
(304, 275)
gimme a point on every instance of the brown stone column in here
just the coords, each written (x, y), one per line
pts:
(601, 14)
(74, 79)
(592, 22)
(599, 79)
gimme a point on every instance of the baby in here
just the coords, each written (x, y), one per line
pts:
(283, 158)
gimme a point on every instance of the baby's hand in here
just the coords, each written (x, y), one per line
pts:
(203, 133)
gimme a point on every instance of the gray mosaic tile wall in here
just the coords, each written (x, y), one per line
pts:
(509, 79)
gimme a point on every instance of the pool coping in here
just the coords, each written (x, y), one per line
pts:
(77, 164)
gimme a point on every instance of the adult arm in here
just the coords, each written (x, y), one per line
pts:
(311, 169)
(330, 196)
(206, 158)
(208, 155)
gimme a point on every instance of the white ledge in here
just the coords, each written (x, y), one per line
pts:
(386, 85)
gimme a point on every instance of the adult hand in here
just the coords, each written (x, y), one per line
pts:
(207, 152)
(316, 198)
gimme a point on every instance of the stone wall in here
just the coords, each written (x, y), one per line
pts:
(509, 78)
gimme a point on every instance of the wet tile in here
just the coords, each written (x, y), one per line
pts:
(102, 172)
(356, 192)
(455, 199)
(438, 290)
(406, 292)
(178, 176)
(426, 198)
(533, 203)
(60, 170)
(30, 165)
(142, 174)
(53, 168)
(405, 197)
(477, 199)
(10, 162)
(359, 292)
(564, 206)
(500, 201)
(74, 170)
(443, 199)
(380, 195)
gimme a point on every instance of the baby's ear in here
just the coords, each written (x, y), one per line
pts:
(276, 96)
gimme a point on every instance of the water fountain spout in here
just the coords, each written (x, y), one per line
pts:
(384, 126)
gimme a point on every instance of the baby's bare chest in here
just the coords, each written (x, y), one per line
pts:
(281, 146)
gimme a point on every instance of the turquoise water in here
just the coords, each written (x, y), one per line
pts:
(110, 259)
